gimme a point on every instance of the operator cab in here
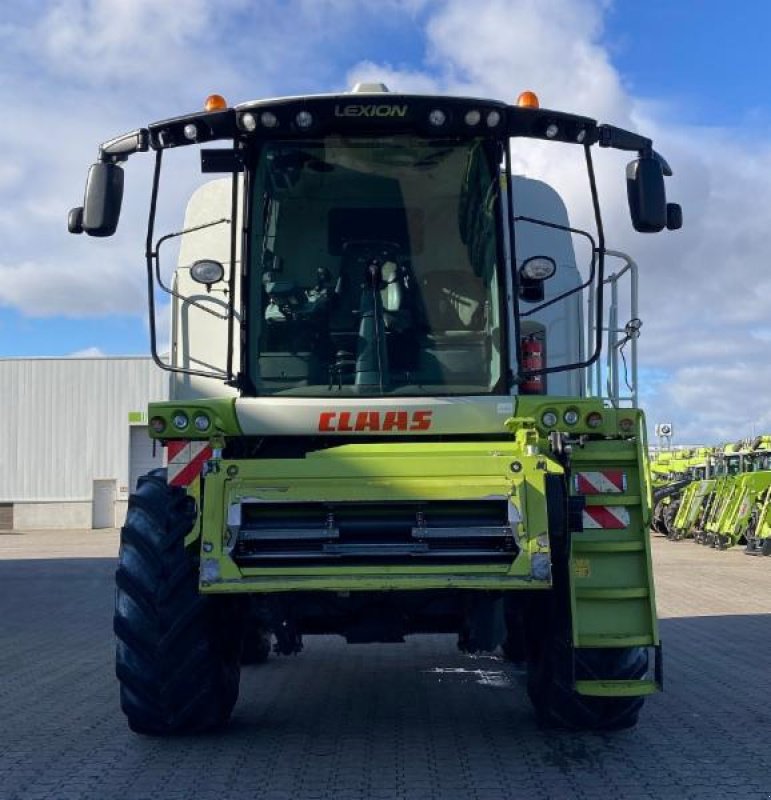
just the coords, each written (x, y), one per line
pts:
(379, 245)
(375, 268)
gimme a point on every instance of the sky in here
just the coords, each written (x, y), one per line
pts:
(693, 75)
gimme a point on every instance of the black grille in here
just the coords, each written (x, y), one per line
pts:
(274, 534)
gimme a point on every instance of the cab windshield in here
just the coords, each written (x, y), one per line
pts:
(375, 268)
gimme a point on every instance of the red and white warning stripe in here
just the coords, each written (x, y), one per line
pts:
(186, 460)
(606, 481)
(608, 518)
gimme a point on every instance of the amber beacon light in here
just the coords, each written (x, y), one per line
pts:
(528, 100)
(215, 102)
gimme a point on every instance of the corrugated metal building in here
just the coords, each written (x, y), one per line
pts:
(73, 438)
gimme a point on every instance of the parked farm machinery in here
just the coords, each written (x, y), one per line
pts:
(724, 499)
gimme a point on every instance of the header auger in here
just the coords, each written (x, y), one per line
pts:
(379, 421)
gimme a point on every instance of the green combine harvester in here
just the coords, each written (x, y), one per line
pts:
(692, 502)
(672, 474)
(727, 463)
(722, 506)
(735, 464)
(379, 424)
(733, 516)
(759, 529)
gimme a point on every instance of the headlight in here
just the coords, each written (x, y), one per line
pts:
(157, 424)
(571, 416)
(538, 268)
(472, 117)
(180, 420)
(549, 419)
(493, 118)
(594, 419)
(201, 422)
(437, 117)
(207, 271)
(304, 119)
(248, 122)
(210, 570)
(190, 131)
(268, 119)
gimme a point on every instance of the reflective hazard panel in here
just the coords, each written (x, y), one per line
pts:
(186, 461)
(606, 481)
(606, 517)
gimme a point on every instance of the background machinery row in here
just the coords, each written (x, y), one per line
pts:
(717, 496)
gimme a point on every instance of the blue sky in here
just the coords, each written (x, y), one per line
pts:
(693, 74)
(710, 58)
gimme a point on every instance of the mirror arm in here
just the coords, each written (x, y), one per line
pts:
(121, 147)
(620, 139)
(665, 168)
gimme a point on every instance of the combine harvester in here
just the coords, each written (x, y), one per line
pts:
(693, 498)
(379, 422)
(722, 506)
(759, 530)
(672, 474)
(727, 463)
(736, 522)
(735, 496)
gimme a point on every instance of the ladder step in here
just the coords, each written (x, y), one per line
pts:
(611, 594)
(615, 640)
(585, 461)
(617, 688)
(612, 500)
(582, 546)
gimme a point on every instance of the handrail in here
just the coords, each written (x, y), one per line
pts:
(615, 344)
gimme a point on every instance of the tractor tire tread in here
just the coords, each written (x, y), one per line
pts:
(177, 650)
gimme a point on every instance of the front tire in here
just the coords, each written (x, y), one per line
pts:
(551, 656)
(558, 705)
(177, 655)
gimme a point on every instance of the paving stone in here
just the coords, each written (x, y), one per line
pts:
(402, 722)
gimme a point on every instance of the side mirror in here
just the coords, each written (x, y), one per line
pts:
(102, 202)
(532, 275)
(646, 194)
(674, 217)
(75, 220)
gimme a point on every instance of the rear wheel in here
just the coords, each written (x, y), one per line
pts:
(177, 656)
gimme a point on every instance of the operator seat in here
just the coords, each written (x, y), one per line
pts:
(456, 345)
(394, 291)
(453, 301)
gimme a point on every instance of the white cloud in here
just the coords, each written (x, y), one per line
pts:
(101, 41)
(87, 352)
(44, 289)
(499, 48)
(729, 401)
